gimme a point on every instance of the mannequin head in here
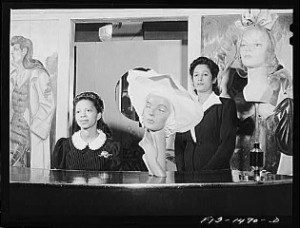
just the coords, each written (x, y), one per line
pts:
(257, 48)
(156, 112)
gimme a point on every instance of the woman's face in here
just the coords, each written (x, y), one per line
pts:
(156, 112)
(202, 79)
(254, 48)
(86, 114)
(17, 55)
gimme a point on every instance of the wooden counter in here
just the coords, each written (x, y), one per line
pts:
(39, 196)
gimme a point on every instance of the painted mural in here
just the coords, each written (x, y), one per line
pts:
(33, 74)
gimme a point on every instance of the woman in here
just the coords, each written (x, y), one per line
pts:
(91, 146)
(210, 145)
(32, 107)
(263, 97)
(164, 107)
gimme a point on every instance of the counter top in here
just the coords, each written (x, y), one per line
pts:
(142, 179)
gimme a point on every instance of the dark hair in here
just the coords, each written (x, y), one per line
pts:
(213, 67)
(99, 105)
(28, 61)
(142, 69)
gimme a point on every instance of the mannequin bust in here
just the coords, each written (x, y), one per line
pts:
(164, 107)
(258, 56)
(155, 115)
(263, 94)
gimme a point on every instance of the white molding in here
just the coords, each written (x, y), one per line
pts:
(194, 43)
(73, 14)
(65, 77)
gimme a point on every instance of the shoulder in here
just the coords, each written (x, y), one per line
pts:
(39, 74)
(61, 149)
(185, 136)
(110, 144)
(62, 142)
(226, 101)
(228, 107)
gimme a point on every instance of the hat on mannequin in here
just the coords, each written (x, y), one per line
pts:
(186, 110)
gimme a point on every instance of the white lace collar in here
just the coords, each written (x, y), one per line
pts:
(211, 100)
(80, 144)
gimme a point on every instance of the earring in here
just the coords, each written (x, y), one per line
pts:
(242, 71)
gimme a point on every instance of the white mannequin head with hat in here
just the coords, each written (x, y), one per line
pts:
(164, 108)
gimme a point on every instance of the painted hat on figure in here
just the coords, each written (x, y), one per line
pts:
(187, 112)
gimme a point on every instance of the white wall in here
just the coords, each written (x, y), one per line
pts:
(100, 66)
(66, 19)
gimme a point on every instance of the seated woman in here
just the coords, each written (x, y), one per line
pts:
(210, 145)
(91, 146)
(164, 107)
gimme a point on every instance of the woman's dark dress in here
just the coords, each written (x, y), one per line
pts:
(215, 134)
(67, 156)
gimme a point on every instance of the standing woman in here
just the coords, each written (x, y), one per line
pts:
(91, 146)
(210, 145)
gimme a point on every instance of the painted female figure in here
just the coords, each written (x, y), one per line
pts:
(32, 107)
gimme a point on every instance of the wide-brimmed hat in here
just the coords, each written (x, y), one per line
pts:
(187, 110)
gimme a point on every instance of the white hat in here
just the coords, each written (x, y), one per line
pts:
(187, 110)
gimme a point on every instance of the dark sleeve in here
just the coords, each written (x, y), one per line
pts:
(61, 148)
(114, 148)
(284, 130)
(180, 145)
(228, 128)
